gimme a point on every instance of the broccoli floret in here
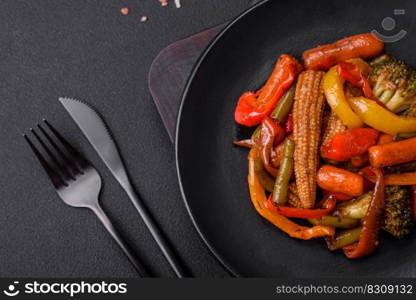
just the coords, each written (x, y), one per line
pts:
(394, 83)
(397, 211)
(380, 60)
(411, 111)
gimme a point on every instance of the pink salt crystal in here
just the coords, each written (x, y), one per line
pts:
(164, 2)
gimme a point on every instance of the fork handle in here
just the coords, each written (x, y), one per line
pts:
(102, 216)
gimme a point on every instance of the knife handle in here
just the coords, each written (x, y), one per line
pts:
(102, 216)
(157, 234)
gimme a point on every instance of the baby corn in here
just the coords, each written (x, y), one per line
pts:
(333, 126)
(292, 197)
(307, 115)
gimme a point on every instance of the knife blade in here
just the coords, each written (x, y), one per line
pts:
(98, 134)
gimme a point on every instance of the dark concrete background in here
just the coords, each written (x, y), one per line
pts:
(88, 50)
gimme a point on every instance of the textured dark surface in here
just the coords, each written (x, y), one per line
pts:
(214, 172)
(88, 50)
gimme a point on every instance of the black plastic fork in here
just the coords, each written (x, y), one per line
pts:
(75, 180)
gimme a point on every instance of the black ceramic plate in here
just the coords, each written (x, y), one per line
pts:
(212, 172)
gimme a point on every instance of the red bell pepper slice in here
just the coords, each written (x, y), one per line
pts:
(369, 177)
(339, 196)
(368, 173)
(252, 107)
(245, 143)
(352, 73)
(271, 134)
(348, 144)
(371, 223)
(303, 213)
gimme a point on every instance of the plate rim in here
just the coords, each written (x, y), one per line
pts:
(185, 92)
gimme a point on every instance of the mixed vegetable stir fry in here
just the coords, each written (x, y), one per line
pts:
(335, 144)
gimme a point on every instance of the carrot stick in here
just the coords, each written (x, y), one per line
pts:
(385, 139)
(397, 179)
(392, 153)
(340, 181)
(359, 46)
(400, 179)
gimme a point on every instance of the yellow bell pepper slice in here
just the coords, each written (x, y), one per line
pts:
(381, 118)
(362, 65)
(333, 86)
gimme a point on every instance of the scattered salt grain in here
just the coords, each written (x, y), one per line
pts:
(164, 2)
(124, 11)
(143, 19)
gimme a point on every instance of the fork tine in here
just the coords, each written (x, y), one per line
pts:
(62, 168)
(75, 155)
(73, 168)
(56, 179)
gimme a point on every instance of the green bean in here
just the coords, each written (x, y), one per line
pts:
(284, 106)
(344, 238)
(265, 179)
(336, 222)
(281, 110)
(404, 135)
(281, 184)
